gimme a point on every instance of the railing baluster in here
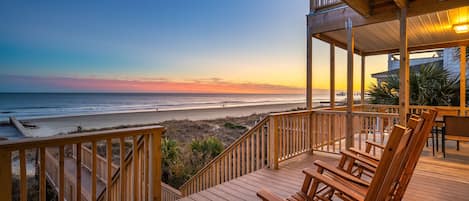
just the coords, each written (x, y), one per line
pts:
(135, 168)
(94, 154)
(238, 160)
(77, 151)
(253, 151)
(42, 173)
(122, 168)
(23, 178)
(109, 168)
(61, 173)
(146, 146)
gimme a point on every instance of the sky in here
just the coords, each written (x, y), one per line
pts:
(241, 46)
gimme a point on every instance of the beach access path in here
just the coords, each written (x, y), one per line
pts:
(62, 125)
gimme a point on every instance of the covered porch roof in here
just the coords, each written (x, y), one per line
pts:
(429, 25)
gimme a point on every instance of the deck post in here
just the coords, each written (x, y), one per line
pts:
(274, 142)
(403, 69)
(332, 75)
(362, 91)
(350, 50)
(309, 67)
(5, 174)
(155, 166)
(462, 81)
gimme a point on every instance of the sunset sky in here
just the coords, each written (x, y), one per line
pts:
(239, 46)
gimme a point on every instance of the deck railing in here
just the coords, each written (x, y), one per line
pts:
(413, 109)
(247, 154)
(290, 136)
(169, 193)
(87, 162)
(316, 5)
(145, 176)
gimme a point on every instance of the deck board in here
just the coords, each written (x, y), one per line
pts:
(436, 178)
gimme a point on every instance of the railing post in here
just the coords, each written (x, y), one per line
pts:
(310, 131)
(5, 174)
(274, 142)
(155, 165)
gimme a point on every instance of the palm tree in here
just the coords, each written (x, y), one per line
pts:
(430, 85)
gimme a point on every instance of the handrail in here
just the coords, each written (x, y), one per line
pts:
(150, 160)
(53, 141)
(168, 193)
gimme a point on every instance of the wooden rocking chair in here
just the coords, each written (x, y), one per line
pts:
(364, 164)
(383, 184)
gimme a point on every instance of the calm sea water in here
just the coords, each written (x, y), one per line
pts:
(30, 105)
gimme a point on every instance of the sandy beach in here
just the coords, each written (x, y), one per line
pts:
(58, 125)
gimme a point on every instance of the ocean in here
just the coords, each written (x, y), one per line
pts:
(36, 105)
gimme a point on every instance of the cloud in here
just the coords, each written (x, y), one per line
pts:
(11, 83)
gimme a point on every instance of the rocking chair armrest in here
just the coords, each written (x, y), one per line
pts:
(371, 143)
(266, 195)
(364, 160)
(364, 154)
(341, 173)
(340, 186)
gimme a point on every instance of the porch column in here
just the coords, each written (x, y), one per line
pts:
(362, 94)
(462, 79)
(403, 69)
(309, 68)
(332, 74)
(350, 51)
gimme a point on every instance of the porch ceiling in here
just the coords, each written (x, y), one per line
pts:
(433, 30)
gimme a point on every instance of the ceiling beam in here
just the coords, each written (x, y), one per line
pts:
(337, 43)
(401, 3)
(421, 47)
(333, 20)
(360, 6)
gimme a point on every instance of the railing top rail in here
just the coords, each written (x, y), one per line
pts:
(375, 114)
(298, 112)
(170, 188)
(437, 107)
(28, 143)
(330, 111)
(229, 148)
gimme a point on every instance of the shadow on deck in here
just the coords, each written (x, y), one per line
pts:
(434, 179)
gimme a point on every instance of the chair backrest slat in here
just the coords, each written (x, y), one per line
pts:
(396, 143)
(416, 147)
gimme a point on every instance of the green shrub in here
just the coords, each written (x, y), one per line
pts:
(234, 126)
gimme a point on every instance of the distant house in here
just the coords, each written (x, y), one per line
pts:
(447, 58)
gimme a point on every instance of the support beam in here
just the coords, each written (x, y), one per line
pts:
(360, 6)
(362, 91)
(403, 69)
(332, 75)
(445, 44)
(309, 70)
(350, 47)
(462, 87)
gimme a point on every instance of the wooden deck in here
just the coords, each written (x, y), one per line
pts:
(434, 179)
